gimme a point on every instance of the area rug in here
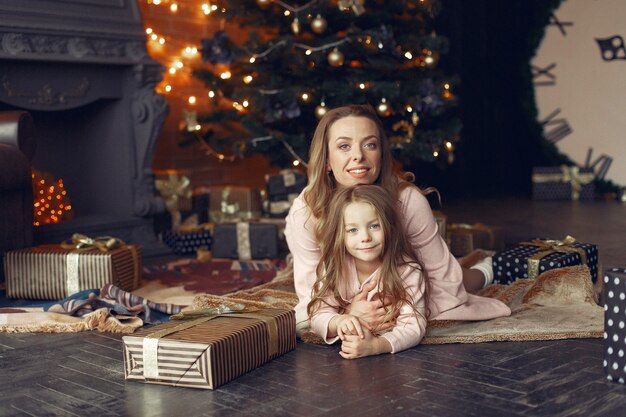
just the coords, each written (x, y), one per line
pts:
(559, 304)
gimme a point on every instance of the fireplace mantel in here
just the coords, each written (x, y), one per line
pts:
(81, 68)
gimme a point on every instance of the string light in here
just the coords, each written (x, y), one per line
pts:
(51, 203)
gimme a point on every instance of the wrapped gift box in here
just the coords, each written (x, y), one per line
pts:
(196, 215)
(245, 240)
(230, 203)
(50, 272)
(614, 296)
(528, 261)
(563, 183)
(184, 242)
(464, 238)
(206, 353)
(442, 221)
(289, 182)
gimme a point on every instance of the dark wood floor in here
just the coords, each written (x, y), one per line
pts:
(81, 374)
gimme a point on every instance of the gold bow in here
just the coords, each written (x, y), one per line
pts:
(357, 6)
(568, 174)
(549, 246)
(104, 243)
(236, 310)
(173, 188)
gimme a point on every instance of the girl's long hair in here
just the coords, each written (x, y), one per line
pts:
(321, 183)
(397, 251)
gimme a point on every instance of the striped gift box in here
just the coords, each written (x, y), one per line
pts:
(208, 352)
(50, 272)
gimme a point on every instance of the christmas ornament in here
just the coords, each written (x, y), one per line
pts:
(383, 108)
(335, 58)
(263, 3)
(415, 119)
(190, 121)
(406, 133)
(217, 50)
(356, 5)
(295, 26)
(321, 110)
(319, 24)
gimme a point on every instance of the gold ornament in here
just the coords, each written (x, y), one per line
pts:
(406, 132)
(295, 26)
(383, 108)
(336, 58)
(356, 5)
(319, 24)
(320, 110)
(263, 3)
(415, 119)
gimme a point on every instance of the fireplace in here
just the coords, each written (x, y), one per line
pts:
(80, 67)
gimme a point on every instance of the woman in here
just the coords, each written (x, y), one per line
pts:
(349, 147)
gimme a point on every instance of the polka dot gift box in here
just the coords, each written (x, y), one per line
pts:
(614, 296)
(563, 183)
(185, 243)
(530, 259)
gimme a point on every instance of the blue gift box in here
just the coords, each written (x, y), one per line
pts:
(513, 263)
(245, 241)
(184, 243)
(614, 296)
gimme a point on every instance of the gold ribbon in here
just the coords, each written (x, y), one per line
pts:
(243, 241)
(548, 247)
(82, 242)
(193, 318)
(568, 174)
(172, 189)
(357, 6)
(465, 227)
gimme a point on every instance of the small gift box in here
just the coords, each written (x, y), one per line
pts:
(464, 238)
(210, 348)
(231, 203)
(614, 296)
(245, 241)
(563, 183)
(529, 259)
(442, 221)
(187, 240)
(282, 190)
(176, 191)
(54, 272)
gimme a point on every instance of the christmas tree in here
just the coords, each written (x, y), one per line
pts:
(304, 57)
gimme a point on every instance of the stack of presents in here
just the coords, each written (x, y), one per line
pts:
(229, 221)
(197, 349)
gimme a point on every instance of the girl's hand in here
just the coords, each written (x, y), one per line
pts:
(370, 313)
(353, 347)
(348, 325)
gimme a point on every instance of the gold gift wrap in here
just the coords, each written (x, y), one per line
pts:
(53, 272)
(231, 203)
(464, 238)
(206, 351)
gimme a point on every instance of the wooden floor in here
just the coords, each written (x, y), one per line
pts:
(82, 374)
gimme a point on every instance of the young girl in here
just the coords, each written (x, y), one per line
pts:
(363, 245)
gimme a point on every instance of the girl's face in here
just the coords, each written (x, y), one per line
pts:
(363, 234)
(354, 154)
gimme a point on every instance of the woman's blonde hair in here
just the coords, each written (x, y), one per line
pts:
(397, 251)
(322, 183)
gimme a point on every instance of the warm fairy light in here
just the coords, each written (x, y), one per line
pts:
(173, 7)
(448, 144)
(408, 55)
(211, 94)
(252, 59)
(178, 64)
(154, 37)
(305, 96)
(409, 109)
(51, 204)
(157, 2)
(172, 70)
(168, 88)
(362, 86)
(206, 8)
(429, 59)
(295, 162)
(191, 100)
(161, 41)
(446, 86)
(435, 154)
(238, 106)
(225, 75)
(245, 103)
(148, 31)
(308, 52)
(287, 13)
(248, 79)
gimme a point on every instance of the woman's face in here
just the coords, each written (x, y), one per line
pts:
(354, 154)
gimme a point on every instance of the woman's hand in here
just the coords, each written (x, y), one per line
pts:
(370, 313)
(353, 347)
